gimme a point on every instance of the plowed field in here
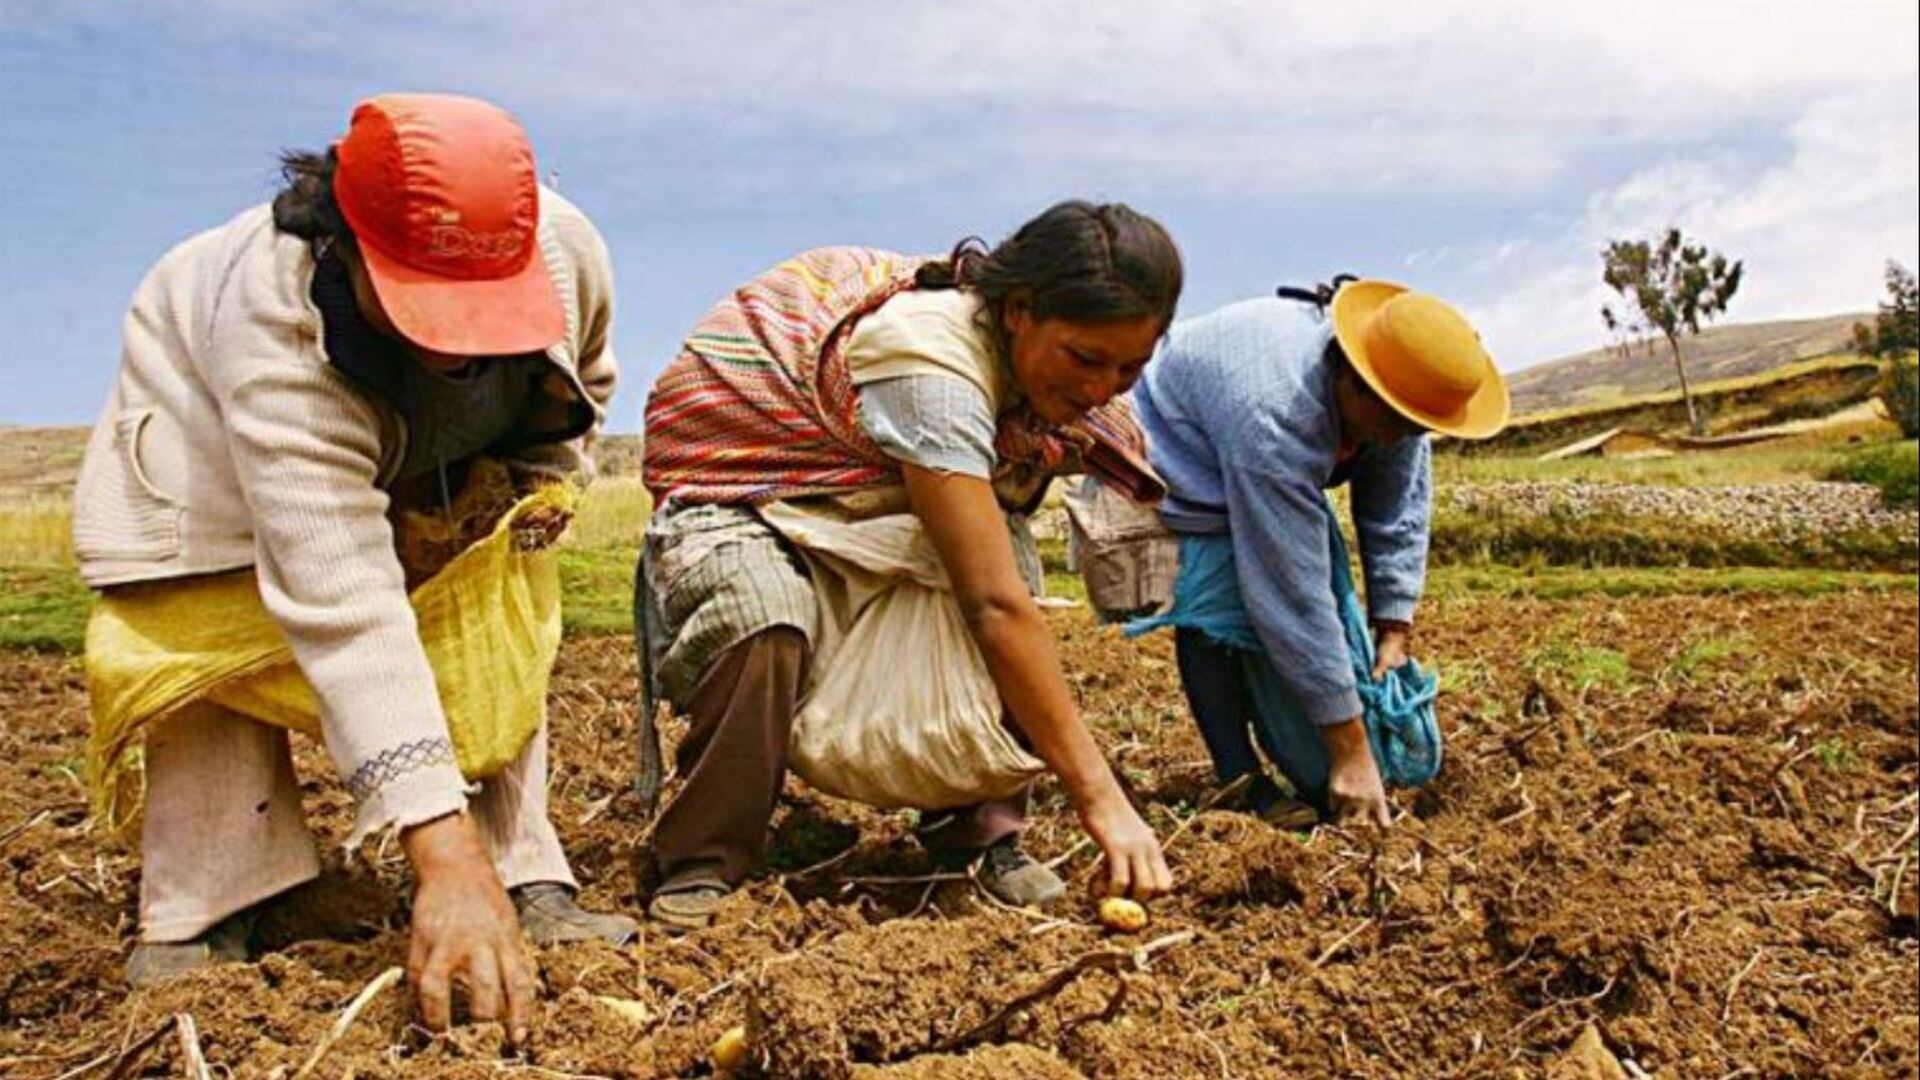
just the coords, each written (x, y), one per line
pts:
(1686, 823)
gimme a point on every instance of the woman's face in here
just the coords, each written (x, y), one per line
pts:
(371, 310)
(1067, 369)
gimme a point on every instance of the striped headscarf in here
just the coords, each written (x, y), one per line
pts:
(759, 405)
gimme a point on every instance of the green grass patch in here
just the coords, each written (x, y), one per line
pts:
(1610, 539)
(43, 607)
(1583, 667)
(612, 513)
(1762, 464)
(1894, 468)
(1573, 582)
(597, 587)
(1836, 755)
(1706, 655)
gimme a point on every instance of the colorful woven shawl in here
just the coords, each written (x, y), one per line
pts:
(760, 406)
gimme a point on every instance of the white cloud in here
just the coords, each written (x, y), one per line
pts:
(1235, 96)
(1781, 132)
(1814, 230)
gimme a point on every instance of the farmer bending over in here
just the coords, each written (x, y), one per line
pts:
(831, 580)
(410, 302)
(1252, 412)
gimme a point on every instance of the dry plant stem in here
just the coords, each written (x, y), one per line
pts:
(193, 1061)
(1058, 860)
(1109, 960)
(1341, 942)
(1238, 785)
(819, 866)
(1537, 1014)
(1894, 850)
(1733, 987)
(1628, 745)
(124, 1061)
(1789, 763)
(911, 879)
(1893, 893)
(8, 836)
(354, 1009)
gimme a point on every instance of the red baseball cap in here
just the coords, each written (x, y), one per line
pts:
(444, 202)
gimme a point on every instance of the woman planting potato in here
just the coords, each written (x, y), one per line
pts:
(831, 580)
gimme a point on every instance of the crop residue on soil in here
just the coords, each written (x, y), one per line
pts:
(1670, 832)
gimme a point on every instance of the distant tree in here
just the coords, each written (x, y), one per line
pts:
(1896, 329)
(1895, 333)
(1672, 285)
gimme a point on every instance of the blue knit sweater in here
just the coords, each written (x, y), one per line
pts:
(1241, 419)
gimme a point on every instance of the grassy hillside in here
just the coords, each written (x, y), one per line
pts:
(1605, 377)
(1801, 390)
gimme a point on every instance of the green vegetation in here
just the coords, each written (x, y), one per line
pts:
(43, 607)
(1836, 755)
(1764, 464)
(1706, 655)
(1896, 325)
(43, 604)
(598, 586)
(612, 513)
(1894, 468)
(1900, 393)
(1583, 667)
(1606, 538)
(1568, 582)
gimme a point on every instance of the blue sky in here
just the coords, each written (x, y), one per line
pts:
(1483, 151)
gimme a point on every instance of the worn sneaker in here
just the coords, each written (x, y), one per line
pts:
(549, 916)
(1017, 878)
(225, 943)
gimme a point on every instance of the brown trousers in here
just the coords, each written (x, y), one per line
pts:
(734, 760)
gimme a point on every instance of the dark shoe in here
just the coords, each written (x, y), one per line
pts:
(225, 943)
(1013, 876)
(1267, 801)
(549, 916)
(689, 903)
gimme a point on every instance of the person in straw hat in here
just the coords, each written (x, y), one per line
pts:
(411, 302)
(1252, 413)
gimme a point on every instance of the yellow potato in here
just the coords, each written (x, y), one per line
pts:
(730, 1050)
(1123, 915)
(634, 1011)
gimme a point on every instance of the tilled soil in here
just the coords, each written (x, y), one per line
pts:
(1671, 837)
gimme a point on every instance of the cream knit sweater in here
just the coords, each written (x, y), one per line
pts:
(229, 440)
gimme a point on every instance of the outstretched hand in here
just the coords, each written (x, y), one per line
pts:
(1136, 866)
(1355, 792)
(465, 931)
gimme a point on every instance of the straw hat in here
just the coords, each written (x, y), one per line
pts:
(1421, 357)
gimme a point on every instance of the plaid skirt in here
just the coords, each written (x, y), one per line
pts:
(712, 576)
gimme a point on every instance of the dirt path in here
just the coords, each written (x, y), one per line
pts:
(1680, 821)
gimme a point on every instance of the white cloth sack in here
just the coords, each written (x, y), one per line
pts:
(899, 709)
